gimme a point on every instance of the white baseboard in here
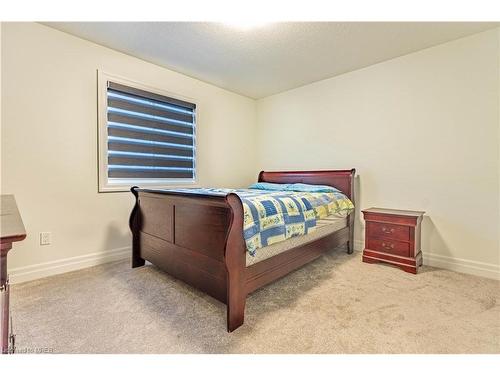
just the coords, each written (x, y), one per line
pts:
(359, 245)
(471, 267)
(37, 271)
(491, 271)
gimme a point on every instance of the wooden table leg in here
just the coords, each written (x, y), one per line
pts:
(4, 299)
(12, 231)
(4, 323)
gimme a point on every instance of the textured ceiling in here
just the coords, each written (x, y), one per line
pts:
(271, 58)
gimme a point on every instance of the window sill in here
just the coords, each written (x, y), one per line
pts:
(125, 187)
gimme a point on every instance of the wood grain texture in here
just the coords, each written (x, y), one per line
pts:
(234, 255)
(381, 230)
(194, 268)
(213, 223)
(198, 238)
(11, 230)
(340, 179)
(11, 224)
(389, 246)
(393, 236)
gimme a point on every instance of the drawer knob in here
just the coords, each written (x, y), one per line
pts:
(388, 247)
(387, 231)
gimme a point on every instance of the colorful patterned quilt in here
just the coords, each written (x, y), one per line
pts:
(274, 216)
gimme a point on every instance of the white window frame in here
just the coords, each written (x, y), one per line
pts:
(120, 185)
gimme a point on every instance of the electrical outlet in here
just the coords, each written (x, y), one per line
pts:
(45, 238)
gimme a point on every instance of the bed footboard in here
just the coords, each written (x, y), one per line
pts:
(184, 236)
(235, 258)
(198, 239)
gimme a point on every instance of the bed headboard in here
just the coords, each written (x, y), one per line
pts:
(340, 179)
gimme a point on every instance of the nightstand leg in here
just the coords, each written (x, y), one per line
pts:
(411, 266)
(412, 270)
(369, 260)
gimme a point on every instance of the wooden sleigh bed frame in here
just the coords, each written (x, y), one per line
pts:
(198, 239)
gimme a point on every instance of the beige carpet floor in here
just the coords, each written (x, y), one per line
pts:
(336, 304)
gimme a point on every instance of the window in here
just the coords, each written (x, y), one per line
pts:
(146, 137)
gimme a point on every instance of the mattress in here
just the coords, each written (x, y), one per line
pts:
(324, 227)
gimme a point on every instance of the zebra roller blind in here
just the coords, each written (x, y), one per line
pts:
(150, 136)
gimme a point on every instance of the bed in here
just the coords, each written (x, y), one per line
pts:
(199, 238)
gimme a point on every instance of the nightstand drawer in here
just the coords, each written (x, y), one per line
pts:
(389, 246)
(396, 232)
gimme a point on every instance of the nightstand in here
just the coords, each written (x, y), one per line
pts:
(393, 236)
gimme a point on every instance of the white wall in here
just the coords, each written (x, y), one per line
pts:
(422, 131)
(1, 52)
(49, 144)
(498, 68)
